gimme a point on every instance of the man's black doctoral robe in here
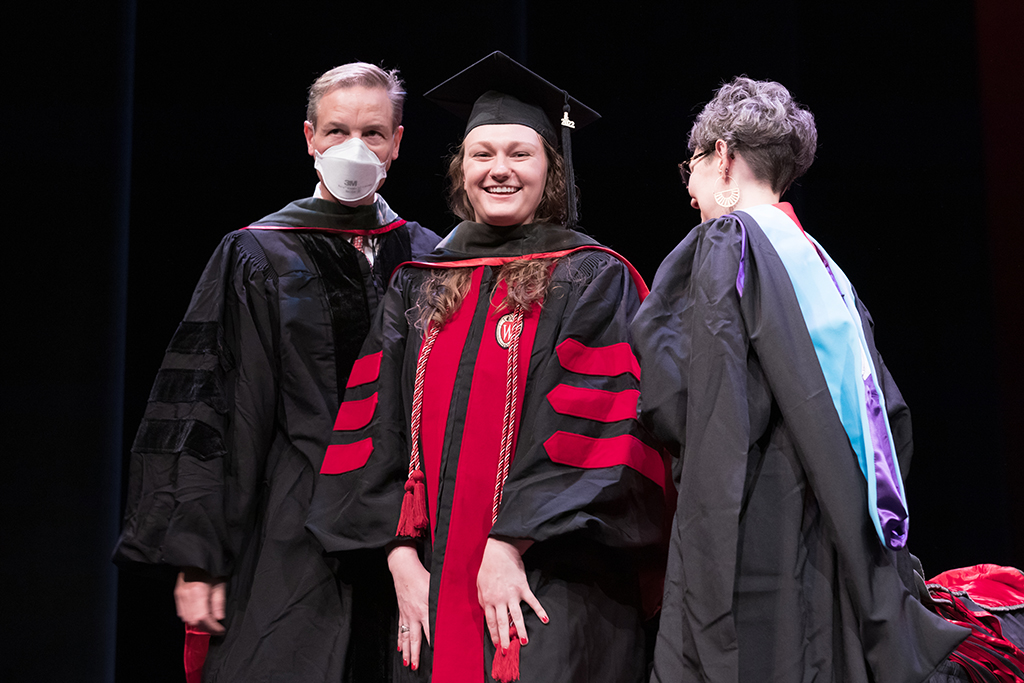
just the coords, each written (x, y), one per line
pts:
(776, 571)
(584, 483)
(223, 466)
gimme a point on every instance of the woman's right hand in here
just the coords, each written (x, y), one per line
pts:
(412, 586)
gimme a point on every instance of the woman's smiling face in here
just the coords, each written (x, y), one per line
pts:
(504, 171)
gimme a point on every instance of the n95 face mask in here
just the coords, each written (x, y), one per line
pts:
(350, 171)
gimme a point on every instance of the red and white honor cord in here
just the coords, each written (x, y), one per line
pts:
(417, 395)
(509, 418)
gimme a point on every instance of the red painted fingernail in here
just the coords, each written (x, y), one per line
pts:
(544, 619)
(413, 667)
(405, 662)
(523, 641)
(503, 652)
(399, 648)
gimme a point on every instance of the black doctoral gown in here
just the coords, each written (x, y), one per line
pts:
(223, 466)
(584, 483)
(776, 572)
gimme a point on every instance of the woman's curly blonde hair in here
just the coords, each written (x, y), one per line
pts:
(442, 293)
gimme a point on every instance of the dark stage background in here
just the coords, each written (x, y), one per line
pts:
(135, 137)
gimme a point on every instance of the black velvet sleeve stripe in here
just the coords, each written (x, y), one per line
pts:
(188, 437)
(189, 386)
(197, 338)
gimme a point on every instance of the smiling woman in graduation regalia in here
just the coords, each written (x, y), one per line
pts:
(491, 419)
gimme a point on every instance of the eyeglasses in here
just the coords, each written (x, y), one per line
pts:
(686, 168)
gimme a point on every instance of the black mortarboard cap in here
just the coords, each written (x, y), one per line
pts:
(498, 90)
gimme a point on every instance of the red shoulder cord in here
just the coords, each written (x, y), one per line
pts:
(413, 520)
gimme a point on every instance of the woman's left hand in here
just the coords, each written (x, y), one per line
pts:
(501, 585)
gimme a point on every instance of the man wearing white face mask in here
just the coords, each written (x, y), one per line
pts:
(223, 465)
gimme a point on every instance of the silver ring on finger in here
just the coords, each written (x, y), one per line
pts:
(403, 629)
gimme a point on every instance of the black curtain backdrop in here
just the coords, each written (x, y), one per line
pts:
(135, 137)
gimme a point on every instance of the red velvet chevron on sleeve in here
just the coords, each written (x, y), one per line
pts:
(364, 370)
(611, 360)
(589, 453)
(355, 414)
(342, 458)
(576, 450)
(594, 404)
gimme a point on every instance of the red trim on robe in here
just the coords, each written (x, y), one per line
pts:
(365, 370)
(634, 274)
(586, 452)
(616, 359)
(985, 653)
(355, 414)
(197, 644)
(787, 208)
(594, 404)
(342, 458)
(459, 624)
(438, 385)
(372, 231)
(989, 585)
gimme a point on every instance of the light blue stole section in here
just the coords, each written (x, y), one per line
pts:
(836, 330)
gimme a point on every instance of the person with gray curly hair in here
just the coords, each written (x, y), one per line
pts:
(788, 558)
(752, 135)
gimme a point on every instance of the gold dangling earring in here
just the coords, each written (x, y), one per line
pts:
(728, 197)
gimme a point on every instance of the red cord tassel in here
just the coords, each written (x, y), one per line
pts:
(505, 668)
(413, 521)
(196, 645)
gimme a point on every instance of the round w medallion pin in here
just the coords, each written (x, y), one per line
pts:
(505, 332)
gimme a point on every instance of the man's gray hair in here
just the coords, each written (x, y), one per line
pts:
(358, 73)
